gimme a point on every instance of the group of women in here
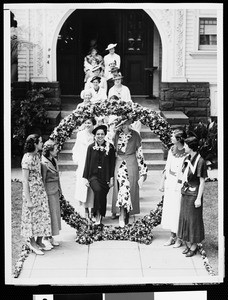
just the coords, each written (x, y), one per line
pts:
(108, 156)
(41, 218)
(183, 184)
(111, 166)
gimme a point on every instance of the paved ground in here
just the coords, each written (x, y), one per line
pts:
(113, 262)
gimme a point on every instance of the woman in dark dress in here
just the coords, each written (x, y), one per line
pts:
(99, 170)
(191, 227)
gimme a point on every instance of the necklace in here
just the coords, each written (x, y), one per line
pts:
(177, 152)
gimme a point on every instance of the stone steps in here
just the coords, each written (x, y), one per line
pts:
(152, 146)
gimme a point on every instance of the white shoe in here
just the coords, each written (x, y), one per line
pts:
(47, 244)
(53, 242)
(35, 250)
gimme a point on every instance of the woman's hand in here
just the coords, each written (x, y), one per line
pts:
(111, 183)
(197, 202)
(87, 183)
(30, 205)
(161, 189)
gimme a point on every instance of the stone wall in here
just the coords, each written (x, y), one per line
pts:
(192, 98)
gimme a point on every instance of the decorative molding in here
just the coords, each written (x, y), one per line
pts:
(165, 17)
(179, 68)
(203, 54)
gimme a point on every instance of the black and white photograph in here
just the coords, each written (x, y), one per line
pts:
(113, 144)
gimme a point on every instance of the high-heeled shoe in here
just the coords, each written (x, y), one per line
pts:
(177, 244)
(35, 250)
(186, 250)
(191, 252)
(170, 241)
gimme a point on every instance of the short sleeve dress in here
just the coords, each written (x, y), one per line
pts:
(191, 226)
(36, 222)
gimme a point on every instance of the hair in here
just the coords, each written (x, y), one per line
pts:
(30, 142)
(86, 91)
(180, 135)
(193, 143)
(92, 119)
(114, 97)
(48, 147)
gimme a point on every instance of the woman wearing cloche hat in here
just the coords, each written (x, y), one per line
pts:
(99, 170)
(111, 60)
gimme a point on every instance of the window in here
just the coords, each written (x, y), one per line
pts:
(207, 34)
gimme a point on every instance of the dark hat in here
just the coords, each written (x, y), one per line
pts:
(103, 127)
(96, 78)
(114, 69)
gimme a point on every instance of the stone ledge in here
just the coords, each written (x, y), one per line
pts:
(175, 117)
(54, 116)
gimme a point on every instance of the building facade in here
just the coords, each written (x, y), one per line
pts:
(169, 53)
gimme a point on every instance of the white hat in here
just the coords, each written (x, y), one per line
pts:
(96, 68)
(110, 46)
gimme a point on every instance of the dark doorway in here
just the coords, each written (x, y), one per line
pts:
(132, 30)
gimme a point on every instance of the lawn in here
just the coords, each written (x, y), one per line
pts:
(210, 243)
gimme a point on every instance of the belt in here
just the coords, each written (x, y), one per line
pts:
(172, 173)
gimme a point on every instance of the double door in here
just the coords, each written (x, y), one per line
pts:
(132, 30)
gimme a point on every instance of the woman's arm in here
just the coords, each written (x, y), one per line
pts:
(25, 182)
(200, 192)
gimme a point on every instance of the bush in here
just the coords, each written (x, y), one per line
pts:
(28, 115)
(207, 135)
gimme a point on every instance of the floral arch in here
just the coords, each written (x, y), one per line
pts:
(140, 230)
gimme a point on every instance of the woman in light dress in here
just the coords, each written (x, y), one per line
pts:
(96, 71)
(83, 198)
(171, 186)
(35, 220)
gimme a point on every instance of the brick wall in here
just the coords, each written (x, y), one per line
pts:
(192, 98)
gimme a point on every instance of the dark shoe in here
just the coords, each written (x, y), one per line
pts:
(191, 253)
(186, 250)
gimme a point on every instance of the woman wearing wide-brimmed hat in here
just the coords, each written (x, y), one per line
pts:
(96, 71)
(111, 60)
(130, 172)
(120, 90)
(99, 170)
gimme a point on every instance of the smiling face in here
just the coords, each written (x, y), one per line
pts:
(173, 138)
(89, 125)
(96, 84)
(100, 136)
(112, 50)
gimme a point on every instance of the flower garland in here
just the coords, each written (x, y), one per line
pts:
(102, 148)
(87, 232)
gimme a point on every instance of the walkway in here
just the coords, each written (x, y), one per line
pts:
(112, 262)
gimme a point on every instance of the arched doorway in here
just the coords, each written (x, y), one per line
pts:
(132, 30)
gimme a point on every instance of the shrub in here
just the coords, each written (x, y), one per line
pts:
(28, 115)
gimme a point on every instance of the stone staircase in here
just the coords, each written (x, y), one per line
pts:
(152, 146)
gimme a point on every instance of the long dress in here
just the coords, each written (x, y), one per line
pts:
(191, 226)
(129, 166)
(99, 168)
(83, 197)
(172, 193)
(50, 174)
(36, 222)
